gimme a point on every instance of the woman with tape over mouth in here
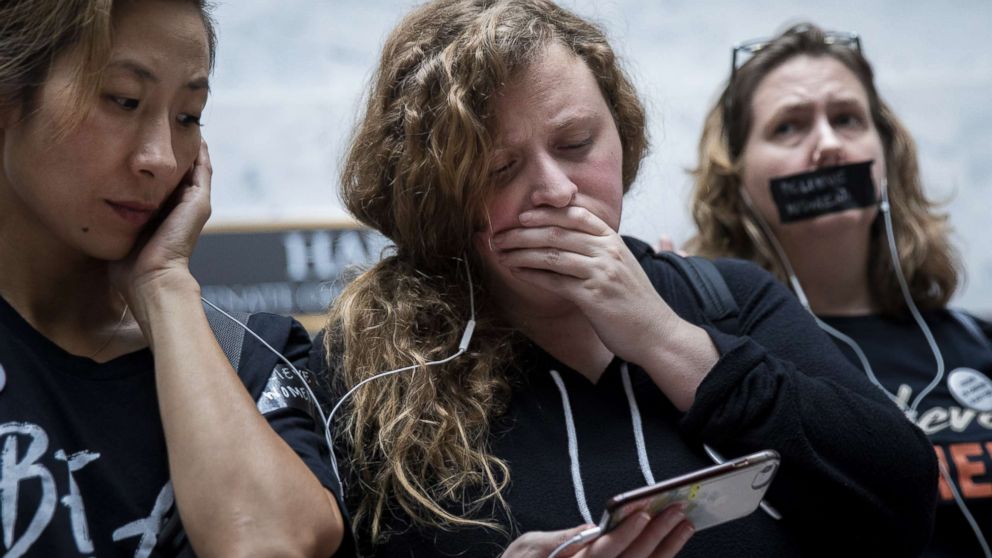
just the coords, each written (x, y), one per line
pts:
(515, 362)
(805, 170)
(119, 411)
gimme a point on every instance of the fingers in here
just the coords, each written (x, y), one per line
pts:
(674, 542)
(619, 539)
(571, 217)
(547, 259)
(665, 244)
(562, 536)
(638, 536)
(194, 192)
(662, 537)
(203, 170)
(641, 536)
(560, 240)
(202, 178)
(539, 544)
(569, 240)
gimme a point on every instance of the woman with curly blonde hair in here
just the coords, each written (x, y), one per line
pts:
(554, 362)
(805, 170)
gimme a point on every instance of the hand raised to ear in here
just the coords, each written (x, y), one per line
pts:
(160, 257)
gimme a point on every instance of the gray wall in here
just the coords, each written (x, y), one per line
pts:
(290, 76)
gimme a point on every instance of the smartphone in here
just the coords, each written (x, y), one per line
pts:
(712, 496)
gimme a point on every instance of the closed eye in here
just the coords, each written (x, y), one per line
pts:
(503, 169)
(578, 145)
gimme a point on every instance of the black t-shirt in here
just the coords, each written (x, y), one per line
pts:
(779, 384)
(904, 364)
(83, 468)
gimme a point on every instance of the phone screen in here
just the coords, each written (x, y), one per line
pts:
(712, 496)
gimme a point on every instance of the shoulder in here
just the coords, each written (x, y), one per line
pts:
(317, 359)
(267, 340)
(272, 325)
(749, 282)
(978, 328)
(667, 280)
(326, 365)
(744, 272)
(735, 272)
(684, 286)
(278, 331)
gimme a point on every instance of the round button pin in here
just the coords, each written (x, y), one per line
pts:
(971, 389)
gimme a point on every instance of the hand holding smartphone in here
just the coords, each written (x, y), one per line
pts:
(711, 496)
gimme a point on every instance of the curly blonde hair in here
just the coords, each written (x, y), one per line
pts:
(418, 171)
(727, 227)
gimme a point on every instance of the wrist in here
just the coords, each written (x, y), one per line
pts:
(159, 293)
(679, 363)
(659, 339)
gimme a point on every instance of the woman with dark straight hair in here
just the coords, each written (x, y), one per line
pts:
(119, 411)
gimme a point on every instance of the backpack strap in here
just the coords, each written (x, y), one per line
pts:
(229, 335)
(718, 305)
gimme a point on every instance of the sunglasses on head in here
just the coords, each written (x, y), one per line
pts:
(743, 52)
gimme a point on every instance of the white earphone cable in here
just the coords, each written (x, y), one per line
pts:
(911, 411)
(326, 420)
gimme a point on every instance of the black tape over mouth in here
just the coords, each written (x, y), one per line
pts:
(828, 190)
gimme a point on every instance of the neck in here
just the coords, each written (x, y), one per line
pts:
(565, 333)
(833, 271)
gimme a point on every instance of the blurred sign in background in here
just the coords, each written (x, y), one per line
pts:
(290, 76)
(292, 270)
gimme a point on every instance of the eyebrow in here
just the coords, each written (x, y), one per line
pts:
(579, 117)
(847, 101)
(793, 106)
(144, 74)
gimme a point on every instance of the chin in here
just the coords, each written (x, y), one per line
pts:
(108, 249)
(861, 217)
(539, 301)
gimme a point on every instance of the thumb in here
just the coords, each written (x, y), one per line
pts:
(539, 544)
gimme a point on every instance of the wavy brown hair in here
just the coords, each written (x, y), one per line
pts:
(727, 227)
(34, 33)
(418, 171)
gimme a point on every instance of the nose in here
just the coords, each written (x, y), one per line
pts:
(154, 155)
(828, 150)
(550, 184)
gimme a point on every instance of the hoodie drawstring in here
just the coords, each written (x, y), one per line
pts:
(573, 442)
